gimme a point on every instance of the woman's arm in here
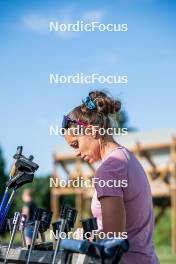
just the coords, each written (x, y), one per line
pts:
(113, 214)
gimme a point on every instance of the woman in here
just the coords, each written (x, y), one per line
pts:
(121, 207)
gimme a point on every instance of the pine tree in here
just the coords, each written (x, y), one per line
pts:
(3, 177)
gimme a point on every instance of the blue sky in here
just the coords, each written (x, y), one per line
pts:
(29, 52)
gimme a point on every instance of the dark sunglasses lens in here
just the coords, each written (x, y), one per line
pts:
(65, 122)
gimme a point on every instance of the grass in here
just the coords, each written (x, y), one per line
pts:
(162, 239)
(165, 255)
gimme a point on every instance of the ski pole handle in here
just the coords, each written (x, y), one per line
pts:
(13, 170)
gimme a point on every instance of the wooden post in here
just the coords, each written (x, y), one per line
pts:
(173, 217)
(173, 195)
(54, 204)
(79, 206)
(53, 196)
(138, 150)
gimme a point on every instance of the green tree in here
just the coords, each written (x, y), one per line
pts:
(3, 177)
(122, 120)
(41, 194)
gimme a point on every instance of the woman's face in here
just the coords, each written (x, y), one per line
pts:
(86, 147)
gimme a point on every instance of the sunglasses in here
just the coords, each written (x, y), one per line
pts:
(66, 120)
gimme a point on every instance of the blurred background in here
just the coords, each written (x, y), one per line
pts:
(30, 104)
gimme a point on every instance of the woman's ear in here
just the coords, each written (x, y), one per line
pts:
(94, 131)
(91, 131)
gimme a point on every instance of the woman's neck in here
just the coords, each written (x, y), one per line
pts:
(106, 147)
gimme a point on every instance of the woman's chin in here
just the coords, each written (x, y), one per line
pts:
(91, 161)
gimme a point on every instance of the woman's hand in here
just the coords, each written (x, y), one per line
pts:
(78, 234)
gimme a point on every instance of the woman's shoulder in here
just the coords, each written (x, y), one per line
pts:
(115, 161)
(119, 154)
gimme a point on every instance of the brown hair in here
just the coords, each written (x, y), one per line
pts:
(105, 105)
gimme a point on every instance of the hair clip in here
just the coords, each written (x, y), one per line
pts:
(89, 103)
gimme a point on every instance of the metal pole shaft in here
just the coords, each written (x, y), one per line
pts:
(4, 199)
(3, 216)
(42, 236)
(22, 227)
(62, 228)
(23, 238)
(37, 223)
(16, 225)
